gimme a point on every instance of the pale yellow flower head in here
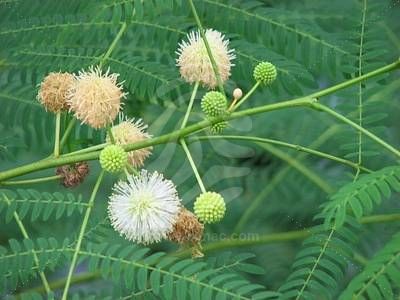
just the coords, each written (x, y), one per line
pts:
(53, 91)
(194, 63)
(130, 131)
(95, 97)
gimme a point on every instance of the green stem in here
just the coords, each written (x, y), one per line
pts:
(360, 91)
(252, 90)
(81, 234)
(191, 101)
(302, 168)
(57, 135)
(281, 236)
(342, 118)
(35, 257)
(86, 150)
(59, 283)
(193, 165)
(113, 44)
(30, 181)
(110, 134)
(131, 170)
(284, 144)
(171, 137)
(210, 55)
(278, 178)
(176, 135)
(355, 80)
(67, 133)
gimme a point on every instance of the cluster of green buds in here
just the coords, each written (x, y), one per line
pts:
(214, 104)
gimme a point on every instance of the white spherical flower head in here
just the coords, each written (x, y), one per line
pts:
(144, 208)
(194, 63)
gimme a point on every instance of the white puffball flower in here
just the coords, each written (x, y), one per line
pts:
(145, 207)
(194, 63)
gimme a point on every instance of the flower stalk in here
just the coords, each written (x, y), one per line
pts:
(252, 90)
(191, 101)
(81, 234)
(57, 135)
(193, 165)
(207, 45)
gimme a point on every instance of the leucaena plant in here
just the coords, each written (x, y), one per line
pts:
(105, 130)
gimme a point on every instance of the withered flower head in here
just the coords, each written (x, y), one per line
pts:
(73, 175)
(53, 91)
(187, 228)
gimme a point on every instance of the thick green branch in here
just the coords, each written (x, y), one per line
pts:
(171, 137)
(308, 101)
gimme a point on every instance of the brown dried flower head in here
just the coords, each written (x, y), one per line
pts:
(53, 91)
(129, 131)
(187, 229)
(95, 98)
(73, 175)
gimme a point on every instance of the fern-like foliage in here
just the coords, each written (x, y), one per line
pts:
(381, 277)
(170, 278)
(361, 196)
(18, 265)
(314, 44)
(39, 204)
(135, 269)
(321, 263)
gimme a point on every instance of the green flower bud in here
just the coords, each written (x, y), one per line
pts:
(210, 207)
(265, 73)
(214, 104)
(218, 127)
(113, 158)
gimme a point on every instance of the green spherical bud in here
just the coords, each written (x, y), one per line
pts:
(265, 73)
(209, 207)
(113, 158)
(214, 104)
(218, 127)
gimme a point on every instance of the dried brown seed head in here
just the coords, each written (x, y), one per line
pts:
(73, 175)
(187, 229)
(53, 91)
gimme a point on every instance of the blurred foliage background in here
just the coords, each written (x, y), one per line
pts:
(314, 44)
